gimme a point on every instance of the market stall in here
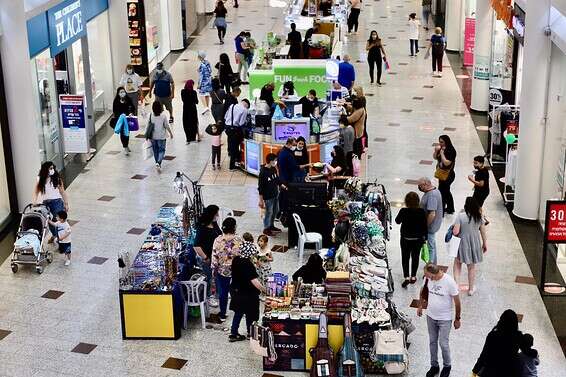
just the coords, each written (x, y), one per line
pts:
(358, 286)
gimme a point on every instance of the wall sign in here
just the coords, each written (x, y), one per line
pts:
(555, 222)
(469, 41)
(75, 135)
(495, 97)
(481, 68)
(66, 25)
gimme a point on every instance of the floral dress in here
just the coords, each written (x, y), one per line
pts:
(264, 266)
(223, 251)
(205, 78)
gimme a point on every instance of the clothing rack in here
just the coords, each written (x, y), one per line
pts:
(495, 113)
(508, 190)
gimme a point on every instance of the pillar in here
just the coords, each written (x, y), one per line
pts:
(482, 56)
(536, 66)
(119, 43)
(454, 29)
(20, 98)
(176, 25)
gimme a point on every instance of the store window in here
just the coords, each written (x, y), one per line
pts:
(153, 29)
(502, 57)
(100, 68)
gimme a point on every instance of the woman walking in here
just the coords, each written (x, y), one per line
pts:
(122, 105)
(50, 191)
(244, 291)
(225, 248)
(204, 80)
(445, 155)
(357, 119)
(207, 231)
(132, 83)
(218, 96)
(437, 44)
(158, 125)
(413, 235)
(355, 9)
(220, 21)
(225, 72)
(414, 25)
(469, 226)
(190, 115)
(374, 49)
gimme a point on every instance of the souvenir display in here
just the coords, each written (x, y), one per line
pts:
(349, 363)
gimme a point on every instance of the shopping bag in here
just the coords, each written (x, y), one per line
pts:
(425, 253)
(385, 64)
(427, 54)
(356, 166)
(147, 150)
(133, 123)
(453, 246)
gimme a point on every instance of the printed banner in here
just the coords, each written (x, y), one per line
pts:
(469, 41)
(75, 135)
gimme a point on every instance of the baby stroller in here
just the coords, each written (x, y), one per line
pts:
(30, 246)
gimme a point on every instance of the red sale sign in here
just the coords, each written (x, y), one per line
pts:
(555, 229)
(469, 41)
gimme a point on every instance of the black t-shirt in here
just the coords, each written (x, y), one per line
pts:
(482, 175)
(243, 272)
(205, 238)
(294, 38)
(413, 223)
(301, 156)
(450, 154)
(308, 105)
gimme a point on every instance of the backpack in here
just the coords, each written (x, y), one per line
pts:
(162, 86)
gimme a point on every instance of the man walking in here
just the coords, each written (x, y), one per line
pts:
(163, 86)
(480, 179)
(268, 187)
(235, 119)
(431, 202)
(442, 299)
(346, 73)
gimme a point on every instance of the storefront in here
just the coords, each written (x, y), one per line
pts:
(68, 46)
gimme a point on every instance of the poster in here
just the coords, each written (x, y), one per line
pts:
(469, 41)
(282, 130)
(481, 68)
(253, 157)
(75, 134)
(555, 222)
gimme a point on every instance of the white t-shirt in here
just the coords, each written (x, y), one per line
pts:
(62, 230)
(414, 29)
(440, 298)
(131, 82)
(50, 193)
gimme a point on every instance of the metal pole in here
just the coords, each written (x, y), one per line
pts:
(543, 267)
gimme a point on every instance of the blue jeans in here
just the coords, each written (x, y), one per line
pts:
(439, 334)
(236, 323)
(271, 210)
(158, 147)
(55, 206)
(223, 289)
(431, 242)
(208, 273)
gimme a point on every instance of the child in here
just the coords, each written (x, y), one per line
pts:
(216, 147)
(63, 235)
(528, 357)
(264, 259)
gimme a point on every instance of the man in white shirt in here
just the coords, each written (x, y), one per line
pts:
(442, 292)
(234, 119)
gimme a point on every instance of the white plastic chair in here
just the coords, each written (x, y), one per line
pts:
(195, 296)
(223, 213)
(304, 237)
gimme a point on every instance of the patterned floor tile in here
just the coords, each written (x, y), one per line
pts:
(174, 363)
(97, 260)
(136, 231)
(106, 198)
(52, 294)
(84, 348)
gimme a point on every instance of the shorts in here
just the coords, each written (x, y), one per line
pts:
(65, 248)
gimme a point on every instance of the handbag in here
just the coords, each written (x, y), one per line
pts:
(425, 253)
(147, 149)
(453, 246)
(390, 349)
(424, 291)
(149, 129)
(441, 174)
(356, 166)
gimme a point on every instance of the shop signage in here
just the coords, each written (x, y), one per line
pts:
(305, 77)
(252, 157)
(495, 97)
(481, 68)
(66, 25)
(504, 11)
(555, 222)
(75, 134)
(469, 41)
(282, 130)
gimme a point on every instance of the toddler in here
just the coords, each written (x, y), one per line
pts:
(216, 147)
(264, 259)
(63, 235)
(528, 357)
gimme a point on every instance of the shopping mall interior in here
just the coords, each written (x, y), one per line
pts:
(460, 164)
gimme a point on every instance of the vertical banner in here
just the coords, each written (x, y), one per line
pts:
(469, 41)
(75, 135)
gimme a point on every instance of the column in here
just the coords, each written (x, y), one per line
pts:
(482, 56)
(536, 66)
(119, 43)
(454, 28)
(176, 25)
(20, 96)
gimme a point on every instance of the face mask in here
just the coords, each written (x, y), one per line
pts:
(293, 148)
(130, 71)
(122, 94)
(300, 148)
(51, 172)
(160, 71)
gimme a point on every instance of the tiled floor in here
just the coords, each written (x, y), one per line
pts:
(43, 318)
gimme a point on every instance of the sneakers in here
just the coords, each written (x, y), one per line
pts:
(445, 371)
(212, 301)
(236, 338)
(222, 318)
(432, 372)
(275, 229)
(126, 151)
(213, 167)
(67, 262)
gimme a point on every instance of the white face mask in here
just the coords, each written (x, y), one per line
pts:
(293, 148)
(122, 94)
(130, 71)
(160, 71)
(51, 172)
(299, 148)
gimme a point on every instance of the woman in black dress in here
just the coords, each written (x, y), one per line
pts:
(225, 72)
(374, 49)
(122, 105)
(244, 290)
(445, 155)
(190, 115)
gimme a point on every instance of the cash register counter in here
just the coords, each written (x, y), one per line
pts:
(260, 144)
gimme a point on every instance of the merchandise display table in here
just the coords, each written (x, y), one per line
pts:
(150, 299)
